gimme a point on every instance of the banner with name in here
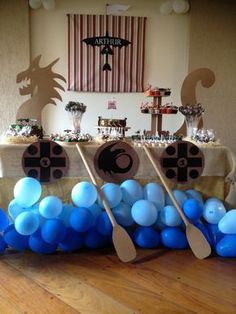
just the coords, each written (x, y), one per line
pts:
(106, 53)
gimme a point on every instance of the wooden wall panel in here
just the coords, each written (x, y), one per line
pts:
(213, 45)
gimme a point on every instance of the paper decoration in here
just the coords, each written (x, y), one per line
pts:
(85, 62)
(107, 43)
(41, 85)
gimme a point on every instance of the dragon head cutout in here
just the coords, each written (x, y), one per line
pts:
(40, 83)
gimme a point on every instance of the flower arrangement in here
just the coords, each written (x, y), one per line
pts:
(73, 106)
(192, 110)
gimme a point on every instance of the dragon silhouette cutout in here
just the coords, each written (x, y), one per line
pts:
(40, 83)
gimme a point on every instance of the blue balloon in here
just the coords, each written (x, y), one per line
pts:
(95, 240)
(38, 245)
(103, 224)
(122, 213)
(170, 216)
(65, 214)
(27, 223)
(3, 245)
(112, 193)
(72, 242)
(174, 238)
(50, 207)
(4, 220)
(95, 211)
(226, 247)
(147, 237)
(214, 233)
(192, 209)
(53, 231)
(227, 223)
(179, 195)
(132, 191)
(144, 213)
(205, 232)
(27, 191)
(192, 193)
(14, 239)
(84, 194)
(213, 210)
(81, 219)
(154, 192)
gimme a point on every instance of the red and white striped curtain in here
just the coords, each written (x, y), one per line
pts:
(85, 62)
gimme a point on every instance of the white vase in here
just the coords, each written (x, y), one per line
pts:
(192, 124)
(76, 117)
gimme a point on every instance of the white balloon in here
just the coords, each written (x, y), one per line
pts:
(180, 6)
(35, 4)
(166, 7)
(48, 4)
(187, 7)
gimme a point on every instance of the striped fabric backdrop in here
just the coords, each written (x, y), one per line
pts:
(85, 62)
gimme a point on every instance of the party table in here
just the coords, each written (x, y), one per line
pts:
(218, 177)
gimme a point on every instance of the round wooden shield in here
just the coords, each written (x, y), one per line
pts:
(182, 162)
(45, 161)
(116, 161)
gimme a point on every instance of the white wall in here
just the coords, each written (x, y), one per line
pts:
(167, 45)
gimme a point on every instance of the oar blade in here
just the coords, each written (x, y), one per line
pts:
(197, 242)
(123, 244)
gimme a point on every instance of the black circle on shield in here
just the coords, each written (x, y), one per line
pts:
(116, 161)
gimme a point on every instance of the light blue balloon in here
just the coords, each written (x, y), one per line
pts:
(154, 192)
(50, 207)
(179, 195)
(192, 193)
(14, 209)
(122, 213)
(226, 247)
(227, 224)
(144, 213)
(213, 210)
(112, 193)
(132, 191)
(84, 194)
(159, 225)
(27, 223)
(27, 191)
(170, 216)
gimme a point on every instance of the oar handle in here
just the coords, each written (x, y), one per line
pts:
(159, 173)
(99, 191)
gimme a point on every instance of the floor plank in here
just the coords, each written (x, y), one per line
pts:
(160, 281)
(19, 294)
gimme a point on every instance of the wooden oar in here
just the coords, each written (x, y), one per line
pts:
(197, 241)
(123, 244)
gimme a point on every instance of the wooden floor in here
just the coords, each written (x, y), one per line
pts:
(160, 281)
